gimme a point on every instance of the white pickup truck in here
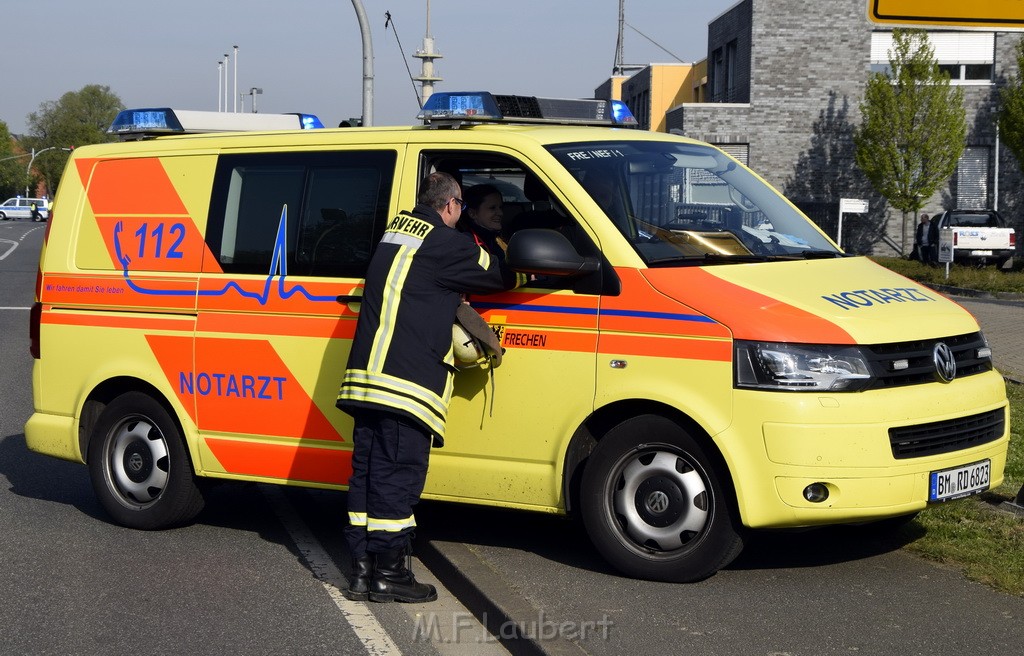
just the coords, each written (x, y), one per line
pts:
(979, 236)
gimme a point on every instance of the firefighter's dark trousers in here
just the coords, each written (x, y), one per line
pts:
(389, 467)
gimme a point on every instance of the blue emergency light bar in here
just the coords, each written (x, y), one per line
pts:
(460, 107)
(140, 123)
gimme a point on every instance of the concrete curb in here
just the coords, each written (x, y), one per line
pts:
(503, 611)
(975, 293)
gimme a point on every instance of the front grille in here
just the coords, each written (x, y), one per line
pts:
(919, 356)
(946, 436)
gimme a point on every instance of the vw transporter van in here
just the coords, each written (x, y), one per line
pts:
(692, 359)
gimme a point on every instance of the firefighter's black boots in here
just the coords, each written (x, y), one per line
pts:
(393, 580)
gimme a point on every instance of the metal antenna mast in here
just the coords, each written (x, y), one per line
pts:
(617, 68)
(427, 77)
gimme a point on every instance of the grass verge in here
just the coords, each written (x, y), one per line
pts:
(986, 279)
(974, 535)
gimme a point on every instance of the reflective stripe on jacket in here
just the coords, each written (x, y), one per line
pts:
(401, 358)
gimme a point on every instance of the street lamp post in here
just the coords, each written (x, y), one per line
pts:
(28, 169)
(364, 30)
(35, 154)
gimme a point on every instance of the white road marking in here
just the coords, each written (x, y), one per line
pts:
(10, 249)
(356, 613)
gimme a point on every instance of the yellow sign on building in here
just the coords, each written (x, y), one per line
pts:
(995, 14)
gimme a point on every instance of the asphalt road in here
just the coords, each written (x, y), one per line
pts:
(257, 572)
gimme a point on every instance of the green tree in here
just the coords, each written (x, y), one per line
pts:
(913, 127)
(1011, 110)
(12, 167)
(77, 119)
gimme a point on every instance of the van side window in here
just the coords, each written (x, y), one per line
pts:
(323, 211)
(526, 201)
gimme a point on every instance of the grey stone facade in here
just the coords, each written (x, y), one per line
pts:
(808, 64)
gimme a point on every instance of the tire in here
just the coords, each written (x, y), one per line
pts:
(139, 467)
(643, 462)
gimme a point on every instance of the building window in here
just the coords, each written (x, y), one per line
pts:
(972, 178)
(967, 57)
(723, 73)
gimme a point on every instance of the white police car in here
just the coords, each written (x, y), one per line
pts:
(21, 208)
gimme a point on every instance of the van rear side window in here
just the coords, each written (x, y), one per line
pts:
(322, 211)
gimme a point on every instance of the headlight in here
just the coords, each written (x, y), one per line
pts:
(800, 367)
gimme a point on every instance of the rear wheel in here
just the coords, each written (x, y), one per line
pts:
(654, 504)
(139, 467)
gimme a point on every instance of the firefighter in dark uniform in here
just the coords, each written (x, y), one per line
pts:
(398, 381)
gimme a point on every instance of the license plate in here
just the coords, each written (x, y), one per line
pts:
(959, 482)
(981, 253)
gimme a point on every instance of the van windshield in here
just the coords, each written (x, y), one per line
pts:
(680, 204)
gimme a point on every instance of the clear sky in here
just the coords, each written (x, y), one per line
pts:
(307, 55)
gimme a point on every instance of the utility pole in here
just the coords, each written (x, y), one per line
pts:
(364, 31)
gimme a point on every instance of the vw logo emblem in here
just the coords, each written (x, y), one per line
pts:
(945, 362)
(657, 502)
(135, 462)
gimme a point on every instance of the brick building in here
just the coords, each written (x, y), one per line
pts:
(784, 82)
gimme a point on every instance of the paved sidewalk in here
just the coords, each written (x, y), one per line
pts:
(1002, 321)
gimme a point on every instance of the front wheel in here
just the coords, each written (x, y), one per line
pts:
(139, 467)
(654, 505)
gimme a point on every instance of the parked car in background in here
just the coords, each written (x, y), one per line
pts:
(979, 237)
(21, 208)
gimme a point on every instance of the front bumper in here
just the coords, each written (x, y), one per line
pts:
(781, 443)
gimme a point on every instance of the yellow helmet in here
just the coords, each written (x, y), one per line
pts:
(467, 349)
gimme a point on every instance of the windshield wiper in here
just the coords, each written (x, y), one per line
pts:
(820, 255)
(709, 258)
(741, 257)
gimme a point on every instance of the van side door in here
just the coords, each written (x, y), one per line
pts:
(507, 430)
(289, 233)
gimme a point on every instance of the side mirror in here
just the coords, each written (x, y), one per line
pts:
(546, 252)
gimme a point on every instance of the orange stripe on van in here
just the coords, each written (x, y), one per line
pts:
(118, 320)
(129, 186)
(284, 461)
(666, 347)
(276, 324)
(641, 308)
(162, 293)
(519, 337)
(748, 314)
(239, 386)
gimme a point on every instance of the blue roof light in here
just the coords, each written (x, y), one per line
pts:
(145, 120)
(456, 108)
(141, 123)
(472, 105)
(310, 121)
(621, 114)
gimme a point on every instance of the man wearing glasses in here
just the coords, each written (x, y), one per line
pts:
(398, 381)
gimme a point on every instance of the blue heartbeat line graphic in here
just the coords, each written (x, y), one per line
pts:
(278, 268)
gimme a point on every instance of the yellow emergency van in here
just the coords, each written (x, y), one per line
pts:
(693, 357)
